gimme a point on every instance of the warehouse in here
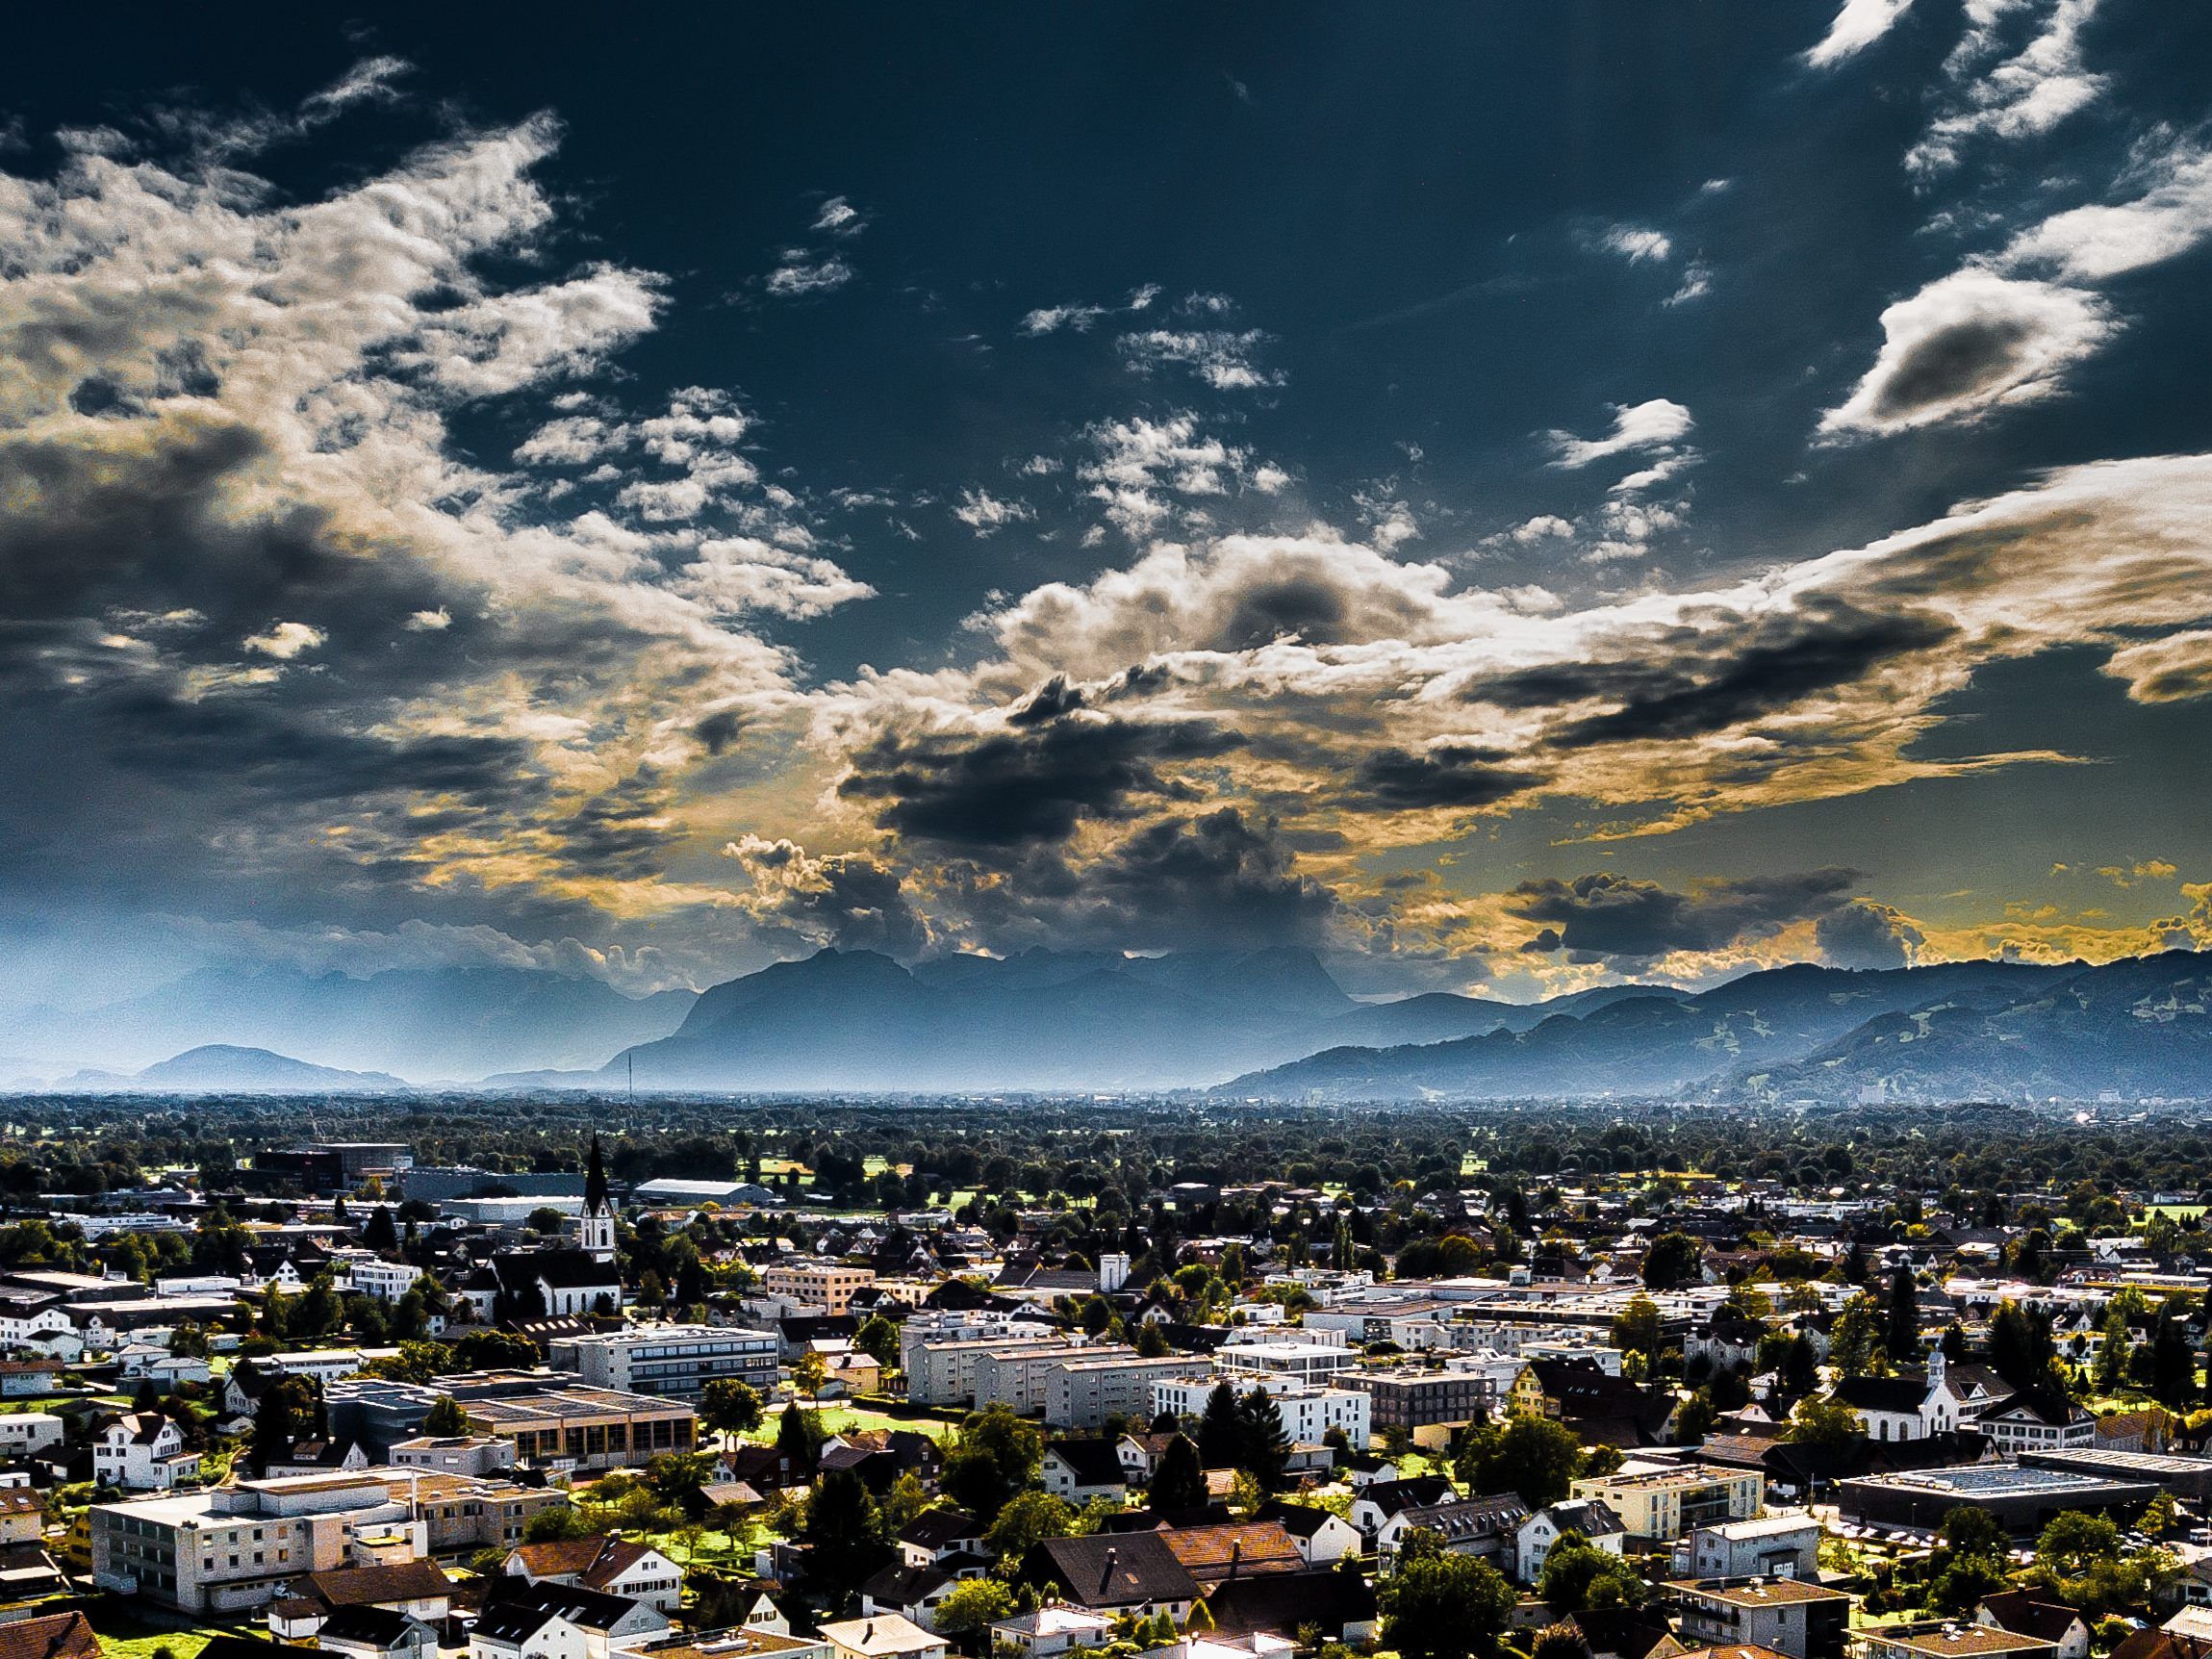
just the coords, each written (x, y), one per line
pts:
(2023, 1499)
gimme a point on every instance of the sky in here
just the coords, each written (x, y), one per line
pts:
(1505, 496)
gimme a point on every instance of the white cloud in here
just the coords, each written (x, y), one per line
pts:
(804, 273)
(285, 640)
(839, 218)
(2097, 241)
(431, 621)
(1220, 357)
(1696, 284)
(1637, 243)
(2021, 96)
(1968, 343)
(1857, 25)
(1652, 424)
(1543, 527)
(1050, 319)
(984, 512)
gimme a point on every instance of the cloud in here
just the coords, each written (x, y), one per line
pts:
(1544, 526)
(2099, 240)
(2019, 96)
(2141, 871)
(1052, 319)
(1653, 425)
(2176, 668)
(846, 901)
(1627, 923)
(1969, 343)
(984, 512)
(1697, 283)
(1857, 25)
(1221, 358)
(1865, 934)
(1637, 243)
(285, 640)
(803, 274)
(839, 218)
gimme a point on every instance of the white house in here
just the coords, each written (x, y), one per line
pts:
(22, 1433)
(561, 1622)
(2020, 1424)
(142, 1452)
(1052, 1630)
(1592, 1518)
(885, 1636)
(609, 1566)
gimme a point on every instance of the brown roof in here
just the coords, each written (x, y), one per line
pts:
(59, 1636)
(374, 1586)
(1212, 1553)
(593, 1562)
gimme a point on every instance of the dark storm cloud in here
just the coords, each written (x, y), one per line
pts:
(619, 832)
(1867, 935)
(1623, 922)
(850, 900)
(1688, 683)
(1952, 365)
(1449, 774)
(1006, 790)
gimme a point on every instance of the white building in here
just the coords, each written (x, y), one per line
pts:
(679, 1360)
(142, 1452)
(1308, 1410)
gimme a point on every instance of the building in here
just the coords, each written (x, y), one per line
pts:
(1083, 1394)
(1114, 1573)
(1587, 1517)
(1905, 1407)
(525, 1621)
(1659, 1507)
(142, 1452)
(1786, 1615)
(227, 1549)
(1487, 1528)
(1052, 1630)
(559, 1424)
(1944, 1642)
(1784, 1545)
(830, 1285)
(2022, 1425)
(985, 1370)
(2186, 1477)
(1309, 1361)
(22, 1433)
(1309, 1410)
(1409, 1399)
(476, 1455)
(461, 1514)
(386, 1281)
(611, 1565)
(2023, 1499)
(885, 1636)
(676, 1361)
(2024, 1614)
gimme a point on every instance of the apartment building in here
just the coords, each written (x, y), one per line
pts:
(669, 1361)
(559, 1424)
(1017, 1376)
(461, 1514)
(1786, 1615)
(944, 1372)
(1783, 1546)
(830, 1285)
(1661, 1507)
(1285, 1359)
(230, 1547)
(1418, 1399)
(1083, 1394)
(1308, 1410)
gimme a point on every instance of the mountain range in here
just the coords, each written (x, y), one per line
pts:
(418, 1023)
(223, 1068)
(2141, 1026)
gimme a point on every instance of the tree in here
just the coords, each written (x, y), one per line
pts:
(1636, 1328)
(843, 1533)
(1904, 1326)
(545, 1221)
(290, 1411)
(730, 1405)
(1445, 1607)
(809, 1375)
(879, 1340)
(1533, 1456)
(1577, 1575)
(1150, 1344)
(1673, 1260)
(1220, 1431)
(798, 1438)
(1265, 1451)
(380, 1234)
(1559, 1642)
(1851, 1341)
(1825, 1422)
(446, 1417)
(994, 1455)
(1026, 1520)
(972, 1607)
(1180, 1481)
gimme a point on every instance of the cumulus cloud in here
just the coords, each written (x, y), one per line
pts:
(984, 512)
(845, 901)
(801, 274)
(1653, 425)
(1637, 243)
(839, 218)
(1221, 358)
(1865, 933)
(1857, 25)
(1969, 343)
(285, 640)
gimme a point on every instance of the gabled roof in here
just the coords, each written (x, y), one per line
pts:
(527, 1607)
(1901, 1395)
(593, 1562)
(940, 1529)
(376, 1627)
(370, 1586)
(59, 1636)
(1092, 1462)
(1115, 1569)
(1298, 1519)
(1471, 1517)
(1392, 1495)
(1285, 1604)
(2022, 1615)
(1214, 1552)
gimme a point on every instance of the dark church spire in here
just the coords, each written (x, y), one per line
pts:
(594, 1182)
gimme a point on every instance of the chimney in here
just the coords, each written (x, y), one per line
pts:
(1105, 1579)
(1236, 1556)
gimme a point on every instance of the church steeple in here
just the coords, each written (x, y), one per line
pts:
(596, 1235)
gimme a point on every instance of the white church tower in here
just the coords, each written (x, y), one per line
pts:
(596, 1235)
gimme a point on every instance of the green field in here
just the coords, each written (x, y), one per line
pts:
(125, 1633)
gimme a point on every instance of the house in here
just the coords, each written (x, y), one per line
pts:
(27, 1572)
(26, 1379)
(938, 1533)
(610, 1566)
(1321, 1537)
(1081, 1469)
(55, 1636)
(419, 1589)
(1216, 1552)
(1781, 1545)
(1905, 1407)
(1790, 1616)
(1590, 1517)
(524, 1620)
(1376, 1502)
(2026, 1423)
(1052, 1630)
(1341, 1605)
(2024, 1614)
(1140, 1455)
(315, 1457)
(142, 1452)
(888, 1636)
(1622, 1633)
(1487, 1528)
(377, 1633)
(1113, 1572)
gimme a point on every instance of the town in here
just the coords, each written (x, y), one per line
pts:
(1122, 1377)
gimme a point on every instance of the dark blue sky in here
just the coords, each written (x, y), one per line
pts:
(1585, 330)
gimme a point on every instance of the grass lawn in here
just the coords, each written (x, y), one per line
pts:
(2175, 1212)
(837, 1418)
(127, 1633)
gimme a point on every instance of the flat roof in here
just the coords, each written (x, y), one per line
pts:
(1984, 1481)
(1757, 1591)
(1956, 1641)
(2133, 1462)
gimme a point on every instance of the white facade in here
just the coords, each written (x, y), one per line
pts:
(1309, 1410)
(144, 1451)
